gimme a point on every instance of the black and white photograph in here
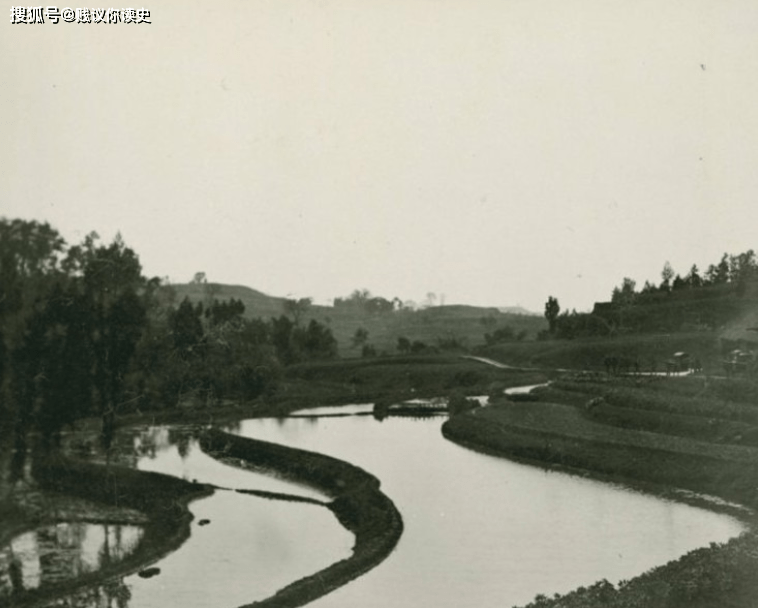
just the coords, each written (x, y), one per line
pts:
(372, 303)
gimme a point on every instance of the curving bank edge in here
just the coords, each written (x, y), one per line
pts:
(718, 575)
(357, 502)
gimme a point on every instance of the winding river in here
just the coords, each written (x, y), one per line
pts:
(479, 530)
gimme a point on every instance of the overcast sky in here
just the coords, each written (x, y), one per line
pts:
(496, 152)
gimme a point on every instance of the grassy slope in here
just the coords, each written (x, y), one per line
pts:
(588, 353)
(399, 377)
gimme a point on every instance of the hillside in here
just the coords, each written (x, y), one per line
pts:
(464, 324)
(518, 310)
(684, 310)
(257, 304)
(650, 350)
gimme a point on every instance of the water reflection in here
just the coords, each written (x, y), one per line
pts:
(507, 531)
(62, 552)
(112, 594)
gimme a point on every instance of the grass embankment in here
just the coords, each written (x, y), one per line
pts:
(163, 499)
(658, 434)
(357, 502)
(652, 351)
(365, 380)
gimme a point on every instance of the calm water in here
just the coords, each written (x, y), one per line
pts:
(485, 531)
(252, 546)
(61, 552)
(478, 530)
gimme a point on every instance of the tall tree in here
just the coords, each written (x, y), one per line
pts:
(552, 310)
(30, 256)
(693, 279)
(115, 290)
(667, 274)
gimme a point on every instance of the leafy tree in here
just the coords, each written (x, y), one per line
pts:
(281, 336)
(693, 278)
(625, 294)
(30, 255)
(30, 265)
(552, 309)
(360, 337)
(378, 305)
(403, 345)
(719, 274)
(649, 288)
(297, 308)
(356, 300)
(317, 341)
(186, 327)
(114, 292)
(667, 274)
(502, 334)
(230, 311)
(294, 344)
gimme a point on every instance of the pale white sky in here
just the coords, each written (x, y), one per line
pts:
(494, 151)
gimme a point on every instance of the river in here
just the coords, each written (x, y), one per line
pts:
(479, 530)
(485, 531)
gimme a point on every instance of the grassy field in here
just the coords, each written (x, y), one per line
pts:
(657, 434)
(652, 351)
(364, 380)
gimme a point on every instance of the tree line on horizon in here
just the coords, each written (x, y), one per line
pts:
(696, 301)
(84, 333)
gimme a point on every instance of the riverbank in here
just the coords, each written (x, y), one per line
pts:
(565, 430)
(357, 502)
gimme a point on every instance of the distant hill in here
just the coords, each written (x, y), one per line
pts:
(518, 310)
(257, 303)
(717, 307)
(466, 324)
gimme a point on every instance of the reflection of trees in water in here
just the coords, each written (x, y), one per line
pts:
(64, 552)
(60, 552)
(113, 594)
(130, 445)
(181, 438)
(155, 439)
